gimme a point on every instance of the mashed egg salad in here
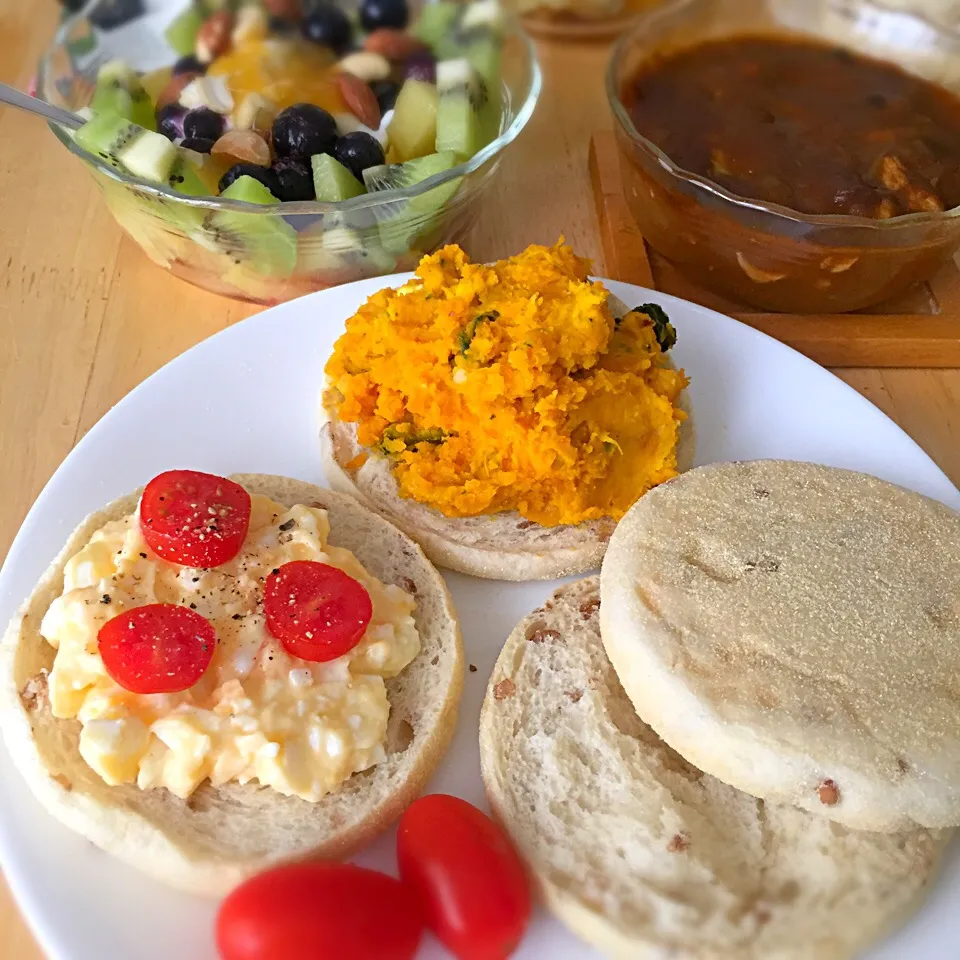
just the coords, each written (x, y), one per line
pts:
(216, 636)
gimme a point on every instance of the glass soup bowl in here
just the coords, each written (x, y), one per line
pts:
(762, 254)
(335, 242)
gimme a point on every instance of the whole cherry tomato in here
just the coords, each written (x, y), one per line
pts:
(195, 519)
(473, 885)
(320, 911)
(157, 648)
(316, 611)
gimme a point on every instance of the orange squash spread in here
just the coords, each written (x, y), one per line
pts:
(511, 387)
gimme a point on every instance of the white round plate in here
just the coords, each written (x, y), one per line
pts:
(246, 400)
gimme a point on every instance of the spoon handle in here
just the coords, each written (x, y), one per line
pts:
(17, 98)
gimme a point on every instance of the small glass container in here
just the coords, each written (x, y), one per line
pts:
(335, 242)
(761, 254)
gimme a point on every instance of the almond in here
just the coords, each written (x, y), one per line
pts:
(393, 44)
(366, 65)
(213, 37)
(210, 92)
(359, 99)
(171, 92)
(285, 9)
(250, 25)
(254, 112)
(244, 146)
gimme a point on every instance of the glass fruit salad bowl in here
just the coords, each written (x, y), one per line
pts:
(264, 149)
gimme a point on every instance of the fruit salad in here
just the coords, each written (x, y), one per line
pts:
(278, 101)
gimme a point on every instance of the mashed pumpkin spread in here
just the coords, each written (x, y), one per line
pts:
(258, 713)
(511, 387)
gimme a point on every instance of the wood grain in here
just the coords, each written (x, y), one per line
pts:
(84, 316)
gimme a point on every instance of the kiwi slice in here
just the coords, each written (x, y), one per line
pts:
(150, 156)
(127, 146)
(181, 33)
(473, 24)
(461, 108)
(263, 244)
(409, 219)
(435, 22)
(120, 92)
(332, 180)
(484, 57)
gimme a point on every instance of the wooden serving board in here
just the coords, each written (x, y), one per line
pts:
(918, 329)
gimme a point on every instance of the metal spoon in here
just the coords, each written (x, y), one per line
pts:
(40, 108)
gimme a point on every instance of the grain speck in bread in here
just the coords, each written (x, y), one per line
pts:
(222, 834)
(644, 856)
(794, 630)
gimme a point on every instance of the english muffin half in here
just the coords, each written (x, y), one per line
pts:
(644, 856)
(220, 835)
(794, 631)
(502, 546)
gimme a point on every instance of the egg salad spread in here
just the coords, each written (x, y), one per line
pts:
(511, 387)
(258, 713)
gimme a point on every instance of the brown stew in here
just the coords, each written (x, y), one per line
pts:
(802, 124)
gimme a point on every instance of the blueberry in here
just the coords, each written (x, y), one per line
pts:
(294, 180)
(386, 92)
(170, 120)
(115, 13)
(200, 144)
(263, 174)
(421, 66)
(188, 64)
(384, 13)
(357, 151)
(204, 123)
(329, 25)
(303, 130)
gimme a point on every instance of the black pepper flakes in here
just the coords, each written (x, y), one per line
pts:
(193, 606)
(289, 525)
(105, 598)
(238, 616)
(143, 556)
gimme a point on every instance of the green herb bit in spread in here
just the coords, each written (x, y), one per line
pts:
(405, 434)
(662, 327)
(466, 335)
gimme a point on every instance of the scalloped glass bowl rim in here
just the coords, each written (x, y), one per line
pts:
(641, 25)
(304, 207)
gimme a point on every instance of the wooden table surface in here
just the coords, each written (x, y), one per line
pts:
(84, 316)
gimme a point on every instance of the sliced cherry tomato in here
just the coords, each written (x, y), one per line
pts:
(195, 519)
(157, 648)
(316, 611)
(320, 911)
(470, 879)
